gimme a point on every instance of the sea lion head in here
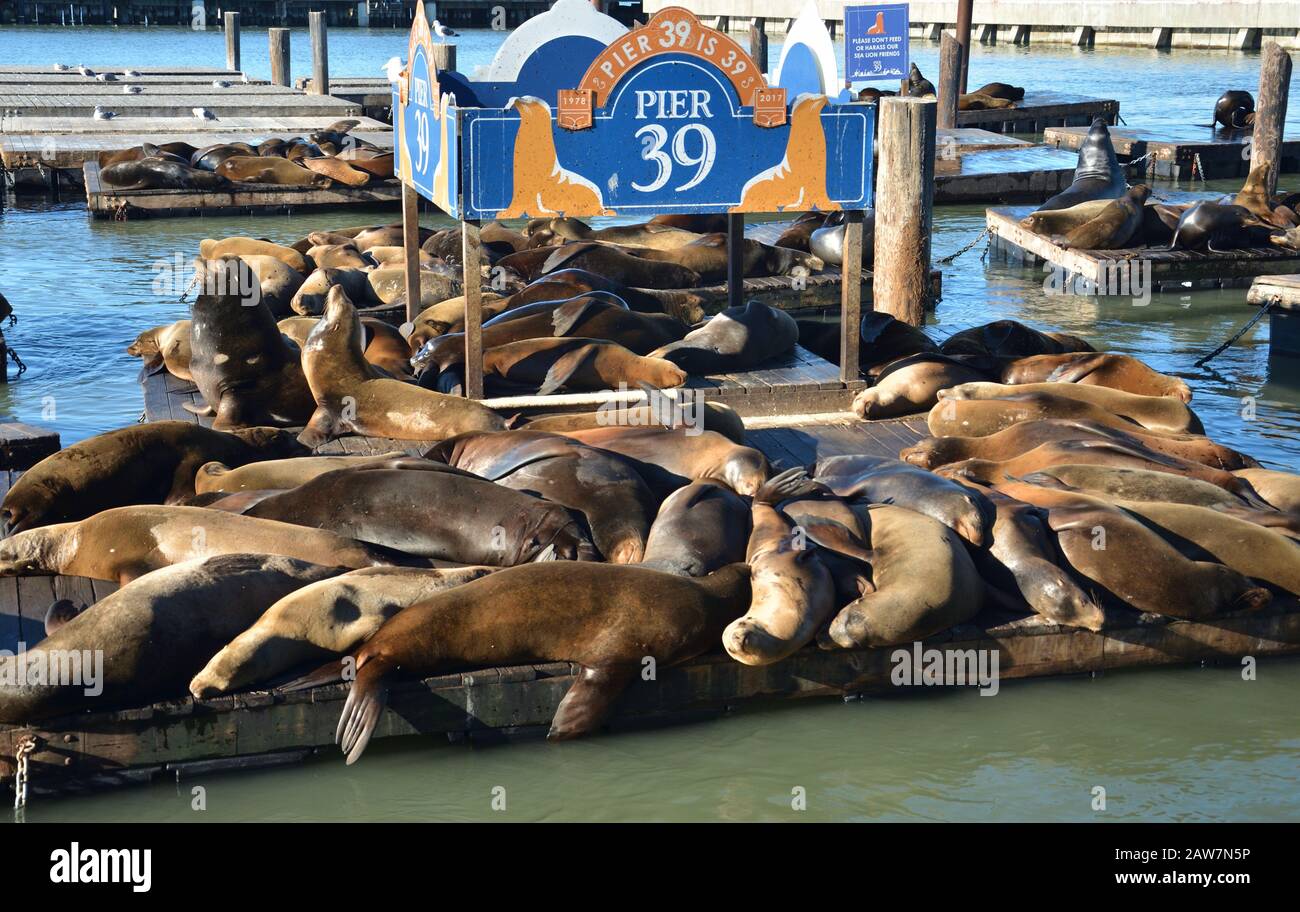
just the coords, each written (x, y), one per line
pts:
(146, 346)
(338, 328)
(1097, 154)
(745, 470)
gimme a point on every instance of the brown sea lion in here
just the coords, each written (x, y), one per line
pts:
(277, 281)
(662, 412)
(606, 617)
(1062, 221)
(473, 522)
(165, 347)
(349, 398)
(797, 235)
(793, 592)
(386, 236)
(981, 417)
(154, 634)
(1159, 413)
(248, 373)
(978, 101)
(617, 265)
(1280, 489)
(647, 236)
(1116, 483)
(708, 258)
(1113, 227)
(211, 249)
(670, 459)
(276, 474)
(254, 169)
(924, 582)
(337, 169)
(210, 157)
(437, 319)
(738, 339)
(123, 543)
(376, 164)
(388, 285)
(578, 364)
(700, 528)
(1119, 372)
(150, 463)
(384, 345)
(339, 256)
(309, 299)
(320, 621)
(700, 224)
(911, 385)
(1001, 90)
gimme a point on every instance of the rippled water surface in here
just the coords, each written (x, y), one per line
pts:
(1171, 744)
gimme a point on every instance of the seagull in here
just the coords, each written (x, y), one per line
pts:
(62, 67)
(106, 77)
(85, 71)
(203, 114)
(393, 68)
(102, 113)
(132, 90)
(220, 84)
(131, 73)
(442, 31)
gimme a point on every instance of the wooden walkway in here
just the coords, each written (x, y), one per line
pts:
(1178, 152)
(1039, 110)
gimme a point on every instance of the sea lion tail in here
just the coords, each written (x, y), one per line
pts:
(330, 673)
(364, 706)
(788, 484)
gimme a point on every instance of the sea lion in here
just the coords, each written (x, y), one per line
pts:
(917, 85)
(1001, 90)
(793, 592)
(338, 170)
(1062, 221)
(475, 521)
(662, 412)
(738, 339)
(647, 236)
(700, 528)
(708, 257)
(211, 249)
(1159, 413)
(1115, 483)
(384, 346)
(123, 543)
(349, 398)
(339, 256)
(1235, 109)
(166, 347)
(683, 305)
(1010, 339)
(977, 101)
(385, 236)
(254, 169)
(1024, 436)
(210, 157)
(670, 459)
(827, 241)
(309, 299)
(1254, 196)
(874, 479)
(923, 582)
(439, 318)
(700, 224)
(1119, 372)
(161, 174)
(911, 385)
(981, 417)
(886, 339)
(617, 265)
(247, 372)
(1114, 226)
(578, 364)
(154, 634)
(604, 487)
(1098, 174)
(320, 621)
(605, 617)
(276, 474)
(277, 281)
(1216, 228)
(1280, 489)
(150, 463)
(797, 236)
(388, 286)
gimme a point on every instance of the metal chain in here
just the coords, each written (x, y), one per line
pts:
(13, 355)
(190, 287)
(23, 773)
(1264, 308)
(1198, 170)
(949, 259)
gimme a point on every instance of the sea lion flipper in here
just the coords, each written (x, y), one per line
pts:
(194, 408)
(361, 712)
(330, 673)
(565, 368)
(589, 701)
(567, 315)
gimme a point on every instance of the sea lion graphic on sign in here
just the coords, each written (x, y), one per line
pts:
(541, 185)
(799, 181)
(441, 183)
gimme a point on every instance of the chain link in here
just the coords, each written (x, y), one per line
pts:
(949, 259)
(26, 748)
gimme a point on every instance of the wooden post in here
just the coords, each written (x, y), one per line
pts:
(1270, 111)
(232, 40)
(279, 56)
(444, 57)
(411, 247)
(851, 296)
(904, 203)
(320, 54)
(735, 259)
(949, 78)
(471, 255)
(964, 13)
(758, 42)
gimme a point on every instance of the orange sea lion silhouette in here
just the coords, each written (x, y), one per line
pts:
(879, 27)
(542, 186)
(799, 181)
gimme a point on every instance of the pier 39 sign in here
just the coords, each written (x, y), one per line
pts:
(669, 117)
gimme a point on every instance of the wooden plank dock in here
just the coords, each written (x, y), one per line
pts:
(374, 95)
(1178, 152)
(1039, 110)
(1024, 174)
(1108, 270)
(1282, 294)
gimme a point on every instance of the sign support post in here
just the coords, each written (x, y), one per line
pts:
(735, 259)
(851, 296)
(471, 257)
(411, 247)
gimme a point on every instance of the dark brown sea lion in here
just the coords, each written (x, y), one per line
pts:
(277, 281)
(793, 592)
(602, 486)
(152, 463)
(527, 265)
(606, 617)
(210, 157)
(910, 385)
(738, 339)
(617, 265)
(885, 339)
(1215, 227)
(1119, 372)
(123, 543)
(683, 305)
(350, 398)
(874, 479)
(1001, 90)
(1098, 174)
(917, 85)
(433, 511)
(708, 258)
(1235, 109)
(578, 364)
(977, 101)
(796, 236)
(166, 347)
(154, 634)
(700, 224)
(700, 528)
(670, 459)
(1114, 226)
(248, 373)
(1010, 339)
(646, 236)
(1159, 413)
(162, 174)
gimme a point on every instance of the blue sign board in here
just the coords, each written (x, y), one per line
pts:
(875, 42)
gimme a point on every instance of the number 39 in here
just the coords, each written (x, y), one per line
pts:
(653, 138)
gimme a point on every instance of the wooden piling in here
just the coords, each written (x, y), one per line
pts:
(758, 42)
(320, 54)
(851, 297)
(735, 259)
(444, 57)
(411, 247)
(279, 38)
(471, 255)
(949, 78)
(963, 38)
(904, 203)
(1270, 111)
(231, 25)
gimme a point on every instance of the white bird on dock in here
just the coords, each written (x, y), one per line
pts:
(442, 31)
(106, 77)
(393, 69)
(85, 71)
(220, 84)
(102, 113)
(203, 114)
(62, 67)
(132, 73)
(131, 90)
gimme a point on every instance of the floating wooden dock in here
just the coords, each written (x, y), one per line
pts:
(1116, 271)
(1178, 152)
(1039, 110)
(245, 199)
(1024, 174)
(1282, 292)
(374, 95)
